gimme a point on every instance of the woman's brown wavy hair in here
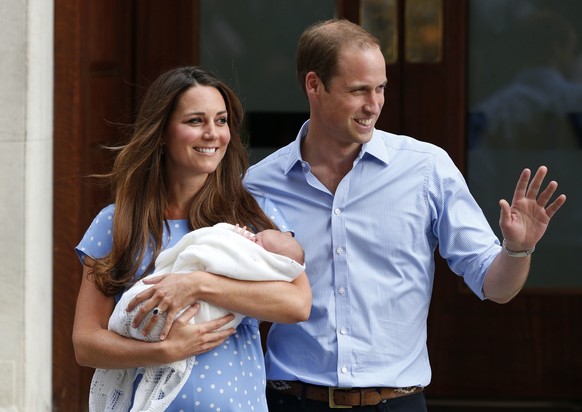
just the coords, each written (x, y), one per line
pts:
(139, 187)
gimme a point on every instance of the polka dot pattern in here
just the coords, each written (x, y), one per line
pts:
(229, 378)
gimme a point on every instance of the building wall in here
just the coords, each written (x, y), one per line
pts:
(26, 106)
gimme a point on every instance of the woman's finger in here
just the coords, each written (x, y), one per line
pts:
(156, 316)
(185, 316)
(139, 298)
(140, 314)
(151, 280)
(216, 324)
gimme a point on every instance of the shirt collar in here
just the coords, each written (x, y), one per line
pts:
(375, 148)
(295, 152)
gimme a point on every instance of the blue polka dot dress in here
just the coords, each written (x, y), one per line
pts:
(229, 378)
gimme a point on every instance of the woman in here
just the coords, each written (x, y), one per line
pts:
(181, 170)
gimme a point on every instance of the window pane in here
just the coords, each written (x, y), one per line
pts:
(380, 17)
(525, 110)
(424, 30)
(251, 44)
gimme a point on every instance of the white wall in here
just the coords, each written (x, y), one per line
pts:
(26, 122)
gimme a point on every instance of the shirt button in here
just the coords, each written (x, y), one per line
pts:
(342, 291)
(337, 211)
(344, 370)
(339, 251)
(343, 331)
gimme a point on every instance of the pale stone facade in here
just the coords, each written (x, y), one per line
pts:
(26, 195)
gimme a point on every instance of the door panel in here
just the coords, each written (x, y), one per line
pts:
(91, 74)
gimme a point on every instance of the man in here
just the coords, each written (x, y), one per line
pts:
(370, 208)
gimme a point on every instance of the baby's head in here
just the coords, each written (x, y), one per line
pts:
(281, 244)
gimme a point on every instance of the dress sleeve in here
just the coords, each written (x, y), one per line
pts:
(97, 241)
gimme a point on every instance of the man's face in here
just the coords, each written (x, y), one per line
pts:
(354, 98)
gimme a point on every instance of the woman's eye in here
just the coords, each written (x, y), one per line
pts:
(195, 120)
(222, 120)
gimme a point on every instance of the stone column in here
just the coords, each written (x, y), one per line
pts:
(26, 123)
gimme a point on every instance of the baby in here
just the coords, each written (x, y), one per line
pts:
(223, 250)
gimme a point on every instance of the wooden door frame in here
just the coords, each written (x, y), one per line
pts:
(105, 54)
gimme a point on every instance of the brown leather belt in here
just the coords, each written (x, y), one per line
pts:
(341, 397)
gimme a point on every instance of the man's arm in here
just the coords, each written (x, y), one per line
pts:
(523, 223)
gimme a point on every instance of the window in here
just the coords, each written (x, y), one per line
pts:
(525, 110)
(254, 53)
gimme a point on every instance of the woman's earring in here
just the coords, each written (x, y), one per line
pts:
(162, 149)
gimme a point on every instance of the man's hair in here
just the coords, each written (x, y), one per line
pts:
(321, 43)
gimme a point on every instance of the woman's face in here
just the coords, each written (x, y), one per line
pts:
(197, 134)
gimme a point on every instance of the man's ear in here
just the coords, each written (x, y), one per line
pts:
(312, 83)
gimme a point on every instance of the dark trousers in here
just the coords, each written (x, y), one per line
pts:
(281, 402)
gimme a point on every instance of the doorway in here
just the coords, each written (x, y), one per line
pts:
(105, 54)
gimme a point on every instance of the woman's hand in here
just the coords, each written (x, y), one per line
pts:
(194, 339)
(168, 294)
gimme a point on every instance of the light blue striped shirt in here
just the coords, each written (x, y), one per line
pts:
(370, 259)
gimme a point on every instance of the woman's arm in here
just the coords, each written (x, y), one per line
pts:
(274, 301)
(96, 346)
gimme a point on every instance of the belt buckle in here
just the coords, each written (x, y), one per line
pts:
(331, 399)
